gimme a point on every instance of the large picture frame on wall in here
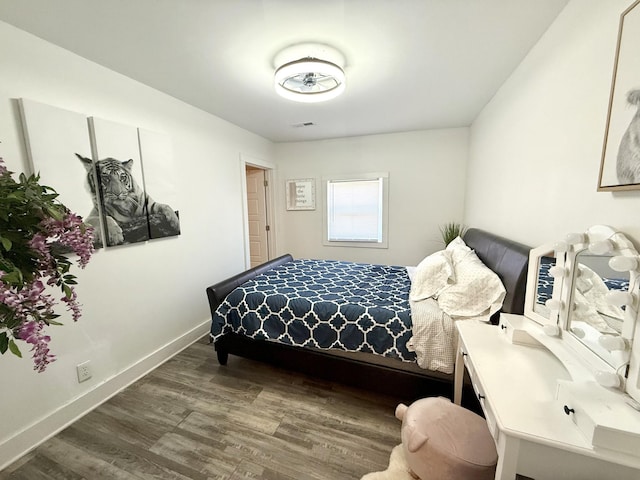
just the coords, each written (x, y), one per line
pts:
(620, 164)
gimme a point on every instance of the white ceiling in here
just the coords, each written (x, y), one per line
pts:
(410, 64)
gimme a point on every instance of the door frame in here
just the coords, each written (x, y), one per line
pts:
(269, 172)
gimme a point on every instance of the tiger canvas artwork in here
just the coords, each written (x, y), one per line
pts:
(628, 161)
(129, 214)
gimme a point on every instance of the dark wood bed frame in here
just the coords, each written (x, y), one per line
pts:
(507, 258)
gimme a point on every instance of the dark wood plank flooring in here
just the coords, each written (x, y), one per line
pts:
(193, 419)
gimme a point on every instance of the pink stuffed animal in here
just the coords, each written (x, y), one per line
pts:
(444, 441)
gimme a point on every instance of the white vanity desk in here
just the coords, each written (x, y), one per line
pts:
(517, 386)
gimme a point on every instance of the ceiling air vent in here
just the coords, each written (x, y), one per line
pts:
(303, 124)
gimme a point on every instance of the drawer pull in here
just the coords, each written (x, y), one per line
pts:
(568, 410)
(504, 327)
(480, 397)
(464, 354)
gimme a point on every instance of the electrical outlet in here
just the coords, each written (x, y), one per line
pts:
(84, 371)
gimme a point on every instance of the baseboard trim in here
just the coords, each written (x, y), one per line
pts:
(26, 440)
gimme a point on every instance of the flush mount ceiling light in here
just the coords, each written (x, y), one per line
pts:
(309, 78)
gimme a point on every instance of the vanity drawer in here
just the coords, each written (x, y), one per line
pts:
(514, 327)
(468, 364)
(571, 407)
(479, 392)
(603, 419)
(489, 417)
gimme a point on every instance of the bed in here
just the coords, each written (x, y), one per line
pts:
(358, 328)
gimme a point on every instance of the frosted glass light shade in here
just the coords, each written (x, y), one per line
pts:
(619, 298)
(608, 379)
(560, 247)
(600, 248)
(612, 342)
(575, 238)
(557, 272)
(551, 330)
(622, 263)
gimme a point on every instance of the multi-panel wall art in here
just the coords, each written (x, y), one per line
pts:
(117, 177)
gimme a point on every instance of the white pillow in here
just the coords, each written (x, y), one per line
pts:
(432, 274)
(457, 249)
(476, 291)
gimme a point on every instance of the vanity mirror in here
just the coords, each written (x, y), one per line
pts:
(585, 291)
(596, 318)
(600, 312)
(599, 302)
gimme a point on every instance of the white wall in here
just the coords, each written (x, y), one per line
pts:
(140, 302)
(426, 189)
(535, 150)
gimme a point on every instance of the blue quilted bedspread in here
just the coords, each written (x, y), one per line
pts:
(323, 304)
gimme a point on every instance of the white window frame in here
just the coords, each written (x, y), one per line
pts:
(385, 210)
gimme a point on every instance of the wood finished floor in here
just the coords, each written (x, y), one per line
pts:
(193, 419)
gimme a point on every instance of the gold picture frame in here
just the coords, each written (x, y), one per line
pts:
(620, 163)
(301, 194)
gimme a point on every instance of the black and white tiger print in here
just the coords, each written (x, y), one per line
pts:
(130, 215)
(628, 160)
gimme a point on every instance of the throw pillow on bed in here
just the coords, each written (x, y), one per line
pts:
(457, 249)
(431, 275)
(435, 271)
(477, 290)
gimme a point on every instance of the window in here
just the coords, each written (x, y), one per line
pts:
(356, 211)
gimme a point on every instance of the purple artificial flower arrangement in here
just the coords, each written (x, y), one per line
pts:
(37, 232)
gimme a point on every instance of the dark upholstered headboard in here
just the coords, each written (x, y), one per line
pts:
(508, 259)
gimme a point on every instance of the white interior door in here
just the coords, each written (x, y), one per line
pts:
(257, 215)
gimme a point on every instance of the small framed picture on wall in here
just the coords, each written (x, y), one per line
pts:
(301, 194)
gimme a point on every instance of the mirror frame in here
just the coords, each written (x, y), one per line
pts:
(532, 284)
(620, 246)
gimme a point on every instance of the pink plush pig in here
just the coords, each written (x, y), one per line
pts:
(444, 441)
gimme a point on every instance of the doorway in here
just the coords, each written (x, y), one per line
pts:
(257, 214)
